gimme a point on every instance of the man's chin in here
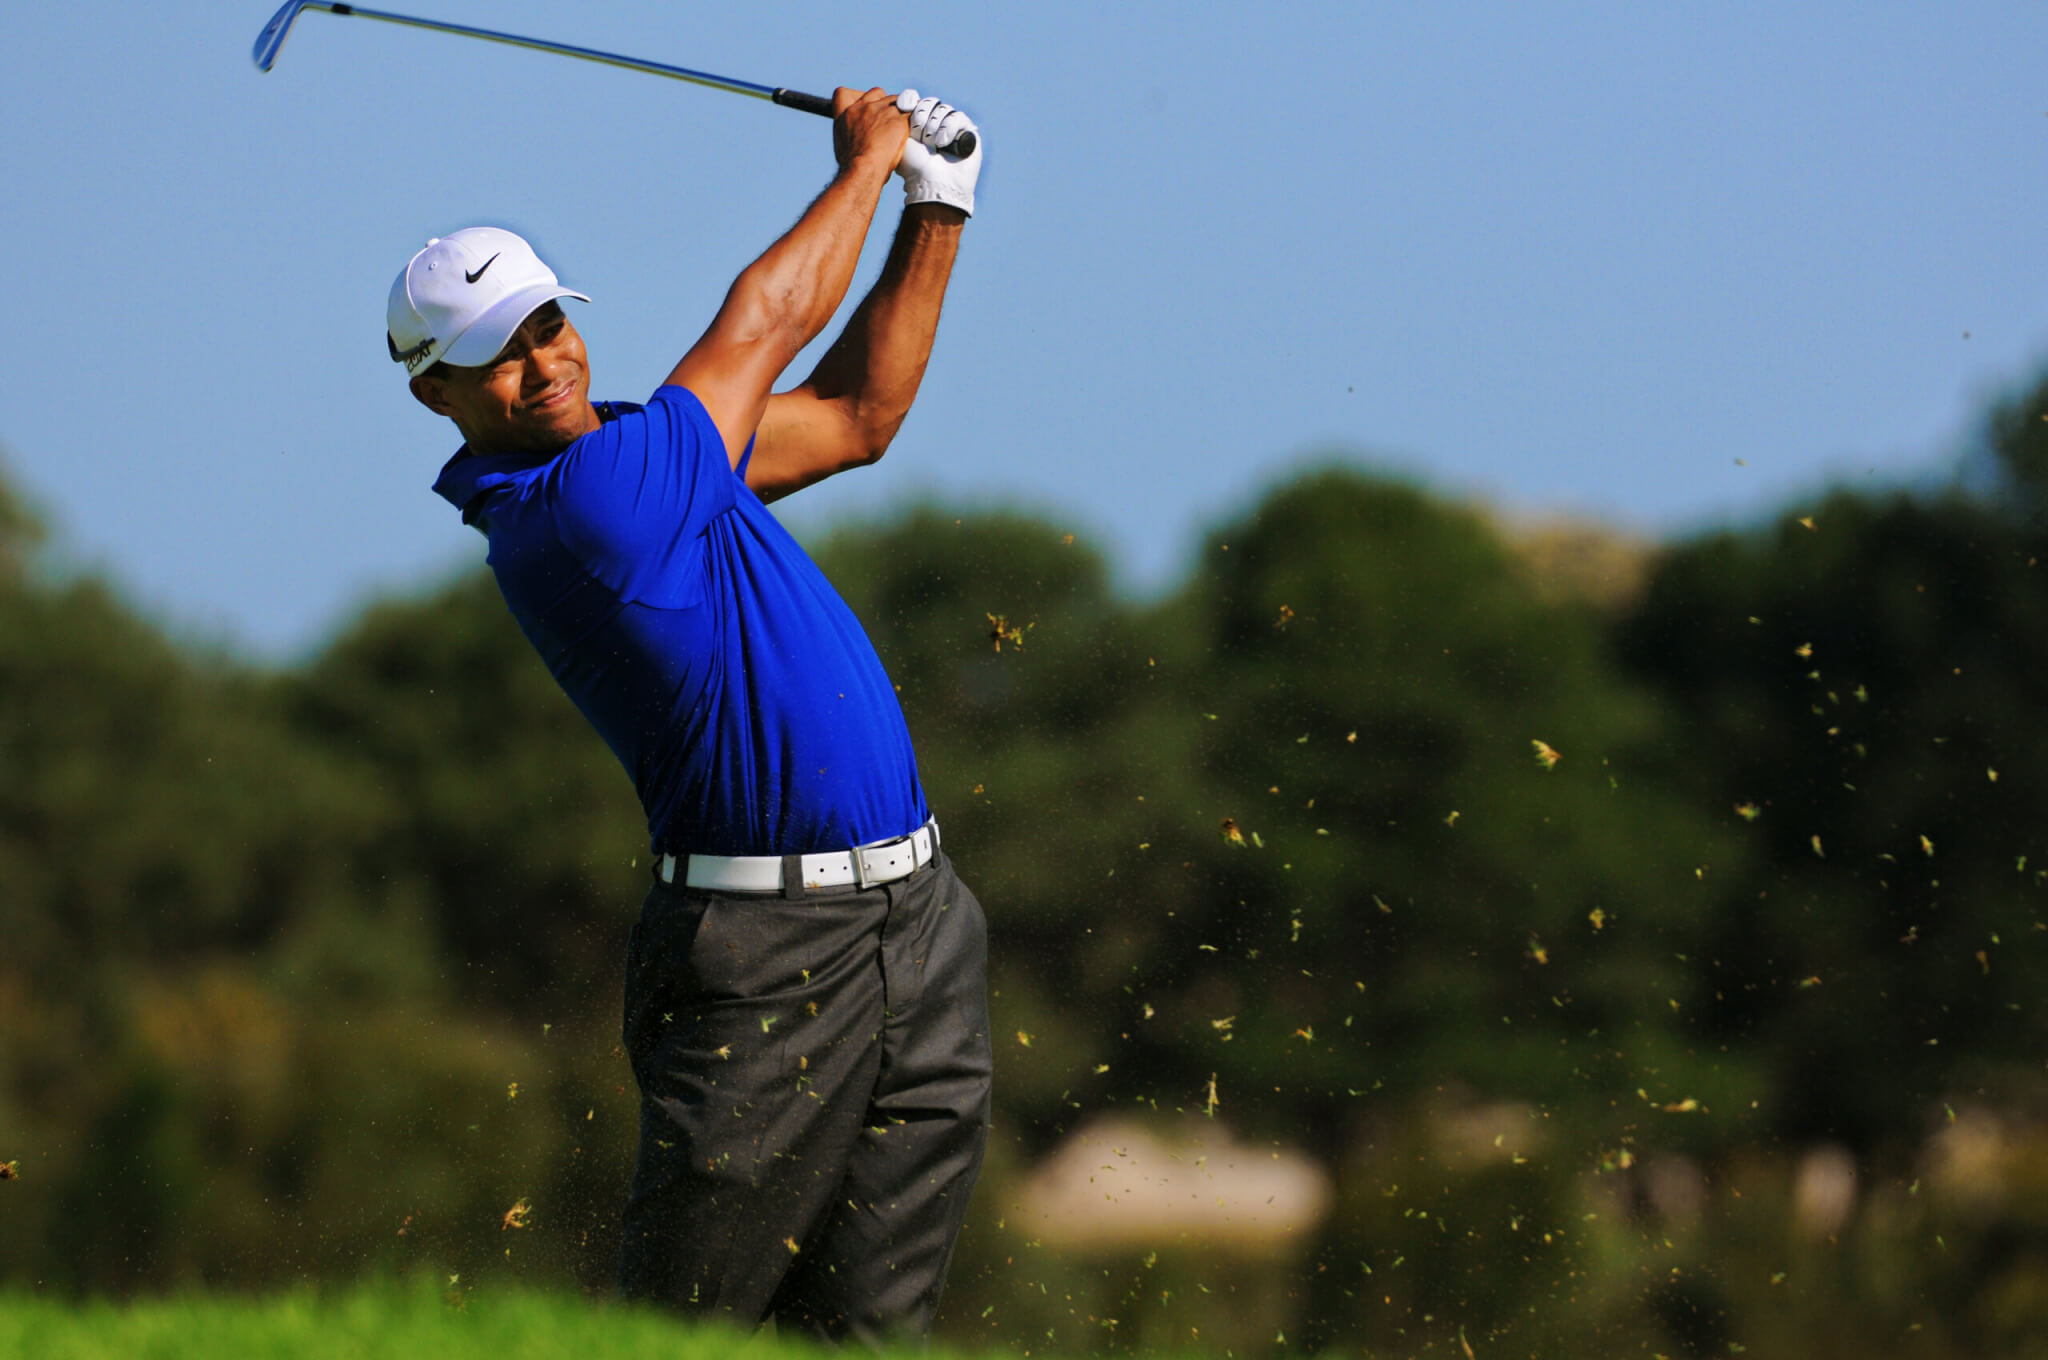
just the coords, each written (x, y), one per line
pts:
(557, 430)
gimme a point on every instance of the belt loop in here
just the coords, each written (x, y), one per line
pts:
(793, 878)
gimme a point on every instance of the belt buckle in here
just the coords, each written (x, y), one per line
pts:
(860, 863)
(908, 841)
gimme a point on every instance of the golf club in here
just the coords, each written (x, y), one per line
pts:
(273, 35)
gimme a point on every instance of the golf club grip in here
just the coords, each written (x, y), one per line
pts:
(962, 147)
(809, 103)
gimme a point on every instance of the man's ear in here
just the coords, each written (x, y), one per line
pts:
(427, 391)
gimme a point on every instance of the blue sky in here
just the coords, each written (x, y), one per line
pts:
(1568, 259)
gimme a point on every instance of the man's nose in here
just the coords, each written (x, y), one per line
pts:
(541, 369)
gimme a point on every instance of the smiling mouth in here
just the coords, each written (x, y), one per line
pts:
(554, 397)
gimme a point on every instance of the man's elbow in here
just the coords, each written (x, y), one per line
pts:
(862, 454)
(869, 432)
(875, 442)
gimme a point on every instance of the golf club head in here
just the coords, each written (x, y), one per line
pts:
(273, 34)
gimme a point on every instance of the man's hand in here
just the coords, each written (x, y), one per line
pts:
(867, 126)
(930, 175)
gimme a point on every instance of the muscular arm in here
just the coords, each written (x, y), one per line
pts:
(853, 403)
(783, 300)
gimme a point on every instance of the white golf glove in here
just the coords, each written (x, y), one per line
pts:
(930, 175)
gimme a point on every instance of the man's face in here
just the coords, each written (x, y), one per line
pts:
(533, 398)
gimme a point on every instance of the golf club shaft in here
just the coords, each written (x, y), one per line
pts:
(789, 99)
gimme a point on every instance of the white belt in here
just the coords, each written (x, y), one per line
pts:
(864, 865)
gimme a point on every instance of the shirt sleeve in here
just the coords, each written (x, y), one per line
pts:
(633, 498)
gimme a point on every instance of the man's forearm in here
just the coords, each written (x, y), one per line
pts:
(876, 365)
(798, 283)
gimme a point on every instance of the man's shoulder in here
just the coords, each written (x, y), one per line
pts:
(671, 416)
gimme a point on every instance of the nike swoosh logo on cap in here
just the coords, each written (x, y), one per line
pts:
(468, 277)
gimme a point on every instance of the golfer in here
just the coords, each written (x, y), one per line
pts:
(806, 1004)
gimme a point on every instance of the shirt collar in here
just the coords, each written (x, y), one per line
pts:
(467, 478)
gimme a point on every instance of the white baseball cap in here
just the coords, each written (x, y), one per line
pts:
(460, 298)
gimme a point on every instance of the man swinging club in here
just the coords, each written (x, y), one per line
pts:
(805, 1007)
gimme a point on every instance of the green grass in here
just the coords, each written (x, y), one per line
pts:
(369, 1322)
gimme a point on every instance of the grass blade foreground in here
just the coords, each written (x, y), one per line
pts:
(375, 1322)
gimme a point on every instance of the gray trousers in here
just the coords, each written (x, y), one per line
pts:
(814, 1088)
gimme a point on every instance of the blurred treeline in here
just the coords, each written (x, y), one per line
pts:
(1724, 1031)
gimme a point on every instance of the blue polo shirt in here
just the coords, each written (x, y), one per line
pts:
(698, 638)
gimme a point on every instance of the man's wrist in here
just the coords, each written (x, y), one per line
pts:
(869, 165)
(934, 214)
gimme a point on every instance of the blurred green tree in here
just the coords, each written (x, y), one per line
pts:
(505, 830)
(1868, 683)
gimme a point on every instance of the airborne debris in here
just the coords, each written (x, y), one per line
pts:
(1546, 754)
(1748, 812)
(515, 1217)
(1231, 832)
(1815, 842)
(1286, 617)
(1001, 630)
(1023, 1038)
(10, 1171)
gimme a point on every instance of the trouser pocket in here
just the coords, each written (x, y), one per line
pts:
(663, 934)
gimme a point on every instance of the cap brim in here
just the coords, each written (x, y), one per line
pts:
(488, 334)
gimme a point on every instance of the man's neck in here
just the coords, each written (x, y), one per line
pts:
(473, 447)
